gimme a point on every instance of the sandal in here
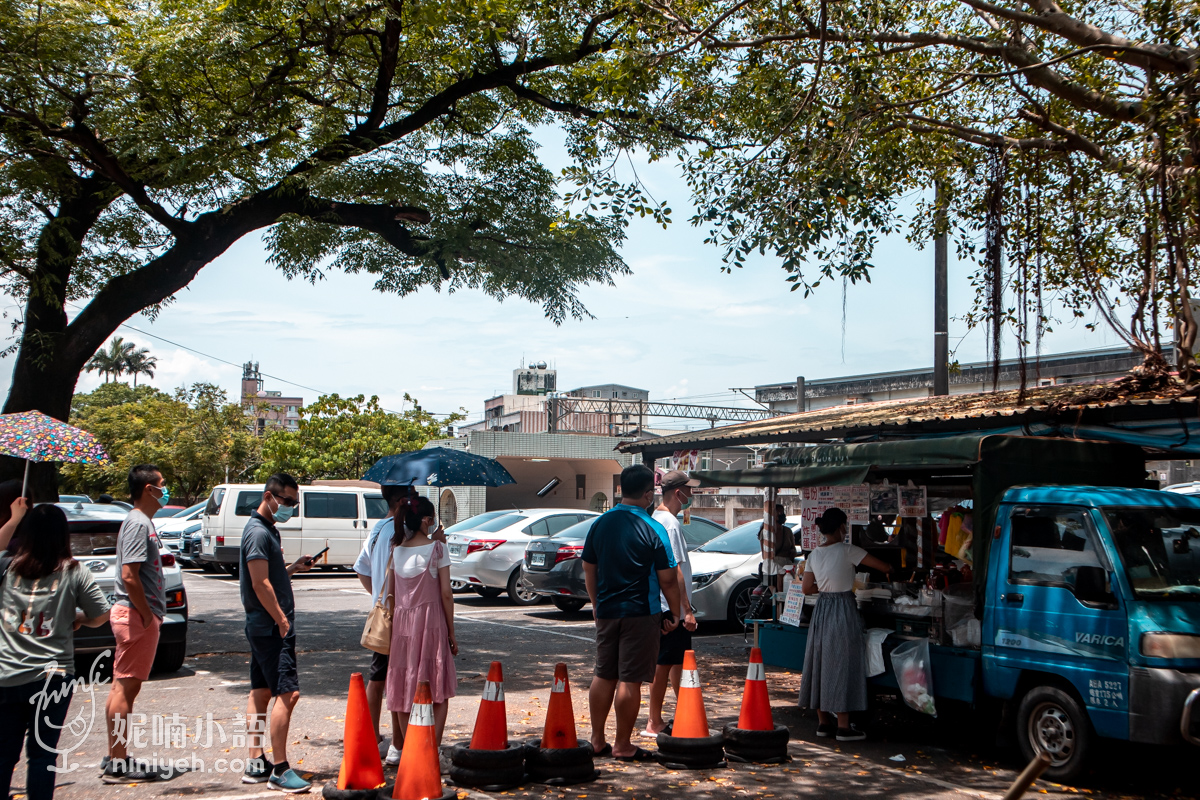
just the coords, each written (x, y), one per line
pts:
(638, 755)
(603, 752)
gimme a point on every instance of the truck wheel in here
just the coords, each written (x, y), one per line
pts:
(169, 657)
(1051, 721)
(569, 604)
(519, 590)
(230, 569)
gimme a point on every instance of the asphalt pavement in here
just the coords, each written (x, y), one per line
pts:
(955, 755)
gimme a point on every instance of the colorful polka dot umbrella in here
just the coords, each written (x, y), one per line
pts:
(33, 436)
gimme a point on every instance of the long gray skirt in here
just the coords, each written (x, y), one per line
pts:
(835, 658)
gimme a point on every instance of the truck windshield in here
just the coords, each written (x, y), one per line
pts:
(1160, 549)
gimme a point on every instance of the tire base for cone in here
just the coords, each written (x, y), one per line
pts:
(385, 793)
(757, 747)
(330, 792)
(491, 787)
(461, 755)
(733, 756)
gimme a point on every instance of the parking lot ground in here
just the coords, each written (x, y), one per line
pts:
(954, 756)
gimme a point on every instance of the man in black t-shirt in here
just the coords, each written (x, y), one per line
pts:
(265, 581)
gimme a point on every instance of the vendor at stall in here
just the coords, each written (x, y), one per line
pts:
(835, 675)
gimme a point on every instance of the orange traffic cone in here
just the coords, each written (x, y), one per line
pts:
(756, 704)
(419, 776)
(361, 767)
(559, 733)
(691, 721)
(491, 723)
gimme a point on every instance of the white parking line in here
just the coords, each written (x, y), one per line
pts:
(528, 628)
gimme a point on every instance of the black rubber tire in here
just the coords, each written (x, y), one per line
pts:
(670, 745)
(701, 757)
(486, 591)
(169, 657)
(536, 757)
(385, 793)
(756, 740)
(571, 772)
(461, 755)
(1060, 713)
(568, 781)
(689, 765)
(513, 590)
(756, 753)
(330, 792)
(569, 604)
(732, 612)
(230, 569)
(464, 776)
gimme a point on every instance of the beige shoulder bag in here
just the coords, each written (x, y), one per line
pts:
(377, 633)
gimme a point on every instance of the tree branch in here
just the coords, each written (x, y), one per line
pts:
(583, 112)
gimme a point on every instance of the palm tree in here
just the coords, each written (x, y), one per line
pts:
(113, 361)
(140, 362)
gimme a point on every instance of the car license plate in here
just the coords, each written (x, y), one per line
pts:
(537, 559)
(456, 549)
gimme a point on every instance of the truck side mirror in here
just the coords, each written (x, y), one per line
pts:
(1091, 586)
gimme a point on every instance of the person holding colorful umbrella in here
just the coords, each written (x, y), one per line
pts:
(33, 436)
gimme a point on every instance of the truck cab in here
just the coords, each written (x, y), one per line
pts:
(1091, 623)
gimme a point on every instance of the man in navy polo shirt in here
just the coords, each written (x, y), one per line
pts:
(628, 566)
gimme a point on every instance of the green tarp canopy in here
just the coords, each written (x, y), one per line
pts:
(989, 464)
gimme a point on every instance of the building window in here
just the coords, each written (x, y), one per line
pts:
(706, 460)
(614, 395)
(596, 393)
(624, 394)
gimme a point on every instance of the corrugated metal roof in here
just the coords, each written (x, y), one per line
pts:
(933, 415)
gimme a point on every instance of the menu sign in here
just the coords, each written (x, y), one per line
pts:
(792, 605)
(854, 500)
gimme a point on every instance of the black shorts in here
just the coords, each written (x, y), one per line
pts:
(625, 648)
(273, 663)
(379, 665)
(673, 645)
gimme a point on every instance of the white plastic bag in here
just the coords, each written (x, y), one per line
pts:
(914, 675)
(874, 643)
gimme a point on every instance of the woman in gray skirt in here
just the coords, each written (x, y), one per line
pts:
(835, 673)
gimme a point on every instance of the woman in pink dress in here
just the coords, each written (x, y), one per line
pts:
(423, 645)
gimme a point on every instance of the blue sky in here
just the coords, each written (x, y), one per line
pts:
(677, 326)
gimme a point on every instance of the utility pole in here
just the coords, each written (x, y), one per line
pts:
(799, 394)
(941, 315)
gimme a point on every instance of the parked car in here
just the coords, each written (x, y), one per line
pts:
(173, 530)
(553, 567)
(93, 528)
(725, 572)
(338, 516)
(470, 523)
(169, 511)
(74, 498)
(488, 558)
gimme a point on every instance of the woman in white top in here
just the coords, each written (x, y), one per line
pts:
(834, 680)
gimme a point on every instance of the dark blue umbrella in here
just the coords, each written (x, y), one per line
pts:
(438, 466)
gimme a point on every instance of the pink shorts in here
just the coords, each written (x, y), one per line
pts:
(135, 644)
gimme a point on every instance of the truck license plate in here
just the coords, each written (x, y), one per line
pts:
(537, 559)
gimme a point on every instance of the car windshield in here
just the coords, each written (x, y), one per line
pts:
(187, 512)
(577, 531)
(1160, 550)
(166, 513)
(741, 541)
(699, 531)
(474, 522)
(499, 523)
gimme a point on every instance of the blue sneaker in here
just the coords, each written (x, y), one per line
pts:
(289, 782)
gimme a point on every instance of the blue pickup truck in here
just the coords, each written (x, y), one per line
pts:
(1091, 621)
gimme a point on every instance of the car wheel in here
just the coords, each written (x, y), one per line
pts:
(739, 602)
(519, 590)
(569, 604)
(459, 586)
(1053, 722)
(169, 657)
(487, 591)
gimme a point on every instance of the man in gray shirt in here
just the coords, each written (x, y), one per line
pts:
(136, 616)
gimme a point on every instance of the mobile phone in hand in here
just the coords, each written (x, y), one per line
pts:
(313, 559)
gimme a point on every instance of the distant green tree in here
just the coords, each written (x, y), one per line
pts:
(112, 362)
(140, 362)
(196, 437)
(340, 438)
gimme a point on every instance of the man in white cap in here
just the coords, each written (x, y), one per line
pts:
(676, 496)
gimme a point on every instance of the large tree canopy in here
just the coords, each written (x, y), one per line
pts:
(139, 141)
(1063, 137)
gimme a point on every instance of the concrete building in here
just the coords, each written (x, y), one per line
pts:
(267, 410)
(1089, 366)
(611, 391)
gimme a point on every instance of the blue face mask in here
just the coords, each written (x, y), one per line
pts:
(283, 513)
(165, 497)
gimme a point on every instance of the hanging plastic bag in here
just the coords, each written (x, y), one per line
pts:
(914, 674)
(874, 643)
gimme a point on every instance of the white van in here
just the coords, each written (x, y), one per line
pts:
(339, 517)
